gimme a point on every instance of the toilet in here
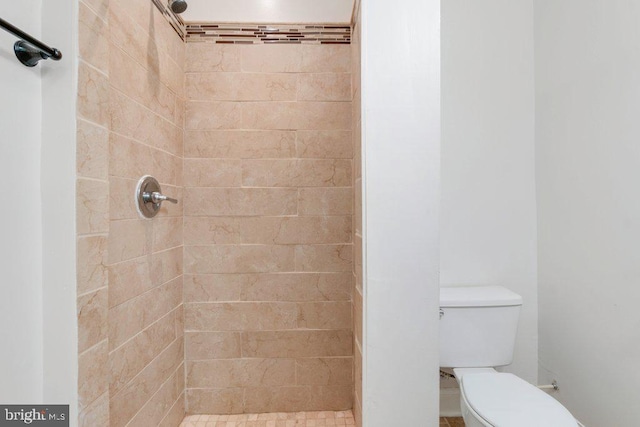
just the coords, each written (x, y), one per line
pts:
(478, 327)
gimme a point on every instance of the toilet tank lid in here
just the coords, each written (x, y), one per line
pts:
(478, 296)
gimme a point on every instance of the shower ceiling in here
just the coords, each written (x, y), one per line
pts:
(269, 11)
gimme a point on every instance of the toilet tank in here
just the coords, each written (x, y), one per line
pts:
(478, 326)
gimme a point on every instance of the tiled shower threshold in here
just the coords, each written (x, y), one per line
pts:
(275, 419)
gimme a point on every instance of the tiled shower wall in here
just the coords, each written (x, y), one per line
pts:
(357, 216)
(268, 228)
(130, 116)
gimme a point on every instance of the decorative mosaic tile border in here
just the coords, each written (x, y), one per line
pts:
(199, 32)
(263, 34)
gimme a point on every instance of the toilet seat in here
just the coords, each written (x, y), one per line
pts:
(504, 400)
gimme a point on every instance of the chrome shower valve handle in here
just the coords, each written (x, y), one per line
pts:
(157, 197)
(149, 197)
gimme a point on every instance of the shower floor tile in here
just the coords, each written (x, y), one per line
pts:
(451, 422)
(279, 419)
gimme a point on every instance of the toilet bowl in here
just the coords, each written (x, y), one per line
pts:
(478, 327)
(493, 399)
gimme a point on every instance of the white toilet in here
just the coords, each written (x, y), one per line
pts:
(478, 328)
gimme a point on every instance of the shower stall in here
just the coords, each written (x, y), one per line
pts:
(239, 297)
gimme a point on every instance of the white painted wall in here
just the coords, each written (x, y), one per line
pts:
(59, 94)
(21, 230)
(401, 177)
(269, 11)
(588, 177)
(38, 357)
(488, 221)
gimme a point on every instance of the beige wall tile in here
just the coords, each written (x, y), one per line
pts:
(278, 399)
(297, 287)
(232, 373)
(212, 173)
(240, 316)
(153, 412)
(127, 240)
(93, 374)
(131, 278)
(92, 319)
(166, 232)
(357, 316)
(208, 57)
(268, 230)
(358, 207)
(271, 58)
(241, 86)
(357, 154)
(357, 264)
(240, 201)
(180, 320)
(138, 11)
(324, 257)
(324, 87)
(136, 314)
(324, 371)
(167, 39)
(325, 315)
(91, 269)
(181, 107)
(129, 36)
(203, 230)
(268, 287)
(326, 58)
(176, 413)
(299, 398)
(292, 230)
(299, 343)
(238, 259)
(358, 375)
(212, 345)
(126, 403)
(133, 238)
(142, 85)
(333, 398)
(171, 74)
(325, 201)
(97, 414)
(203, 115)
(296, 115)
(240, 144)
(93, 95)
(296, 173)
(100, 7)
(136, 121)
(132, 159)
(324, 144)
(212, 287)
(92, 206)
(357, 412)
(215, 401)
(146, 40)
(128, 360)
(92, 152)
